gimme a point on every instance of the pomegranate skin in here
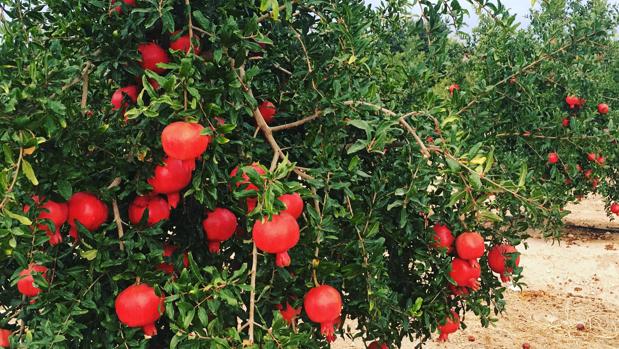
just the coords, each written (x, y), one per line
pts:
(323, 305)
(88, 210)
(119, 8)
(58, 214)
(4, 338)
(443, 238)
(553, 158)
(377, 345)
(118, 97)
(289, 313)
(603, 108)
(26, 285)
(219, 225)
(465, 273)
(152, 54)
(497, 258)
(470, 245)
(250, 186)
(183, 43)
(451, 325)
(268, 111)
(293, 203)
(139, 306)
(614, 208)
(572, 101)
(158, 209)
(182, 140)
(171, 177)
(453, 88)
(277, 236)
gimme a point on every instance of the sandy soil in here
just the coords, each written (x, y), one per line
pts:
(572, 298)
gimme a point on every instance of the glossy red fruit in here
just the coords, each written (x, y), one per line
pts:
(250, 186)
(498, 256)
(614, 208)
(171, 177)
(183, 141)
(588, 173)
(465, 273)
(470, 245)
(443, 238)
(268, 111)
(55, 212)
(572, 101)
(565, 122)
(293, 203)
(88, 210)
(152, 54)
(289, 313)
(601, 160)
(26, 285)
(323, 304)
(139, 306)
(219, 225)
(119, 9)
(168, 250)
(603, 108)
(452, 88)
(158, 209)
(277, 236)
(122, 95)
(591, 156)
(377, 345)
(4, 338)
(450, 325)
(183, 43)
(553, 158)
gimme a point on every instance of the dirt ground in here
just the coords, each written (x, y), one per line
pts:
(572, 298)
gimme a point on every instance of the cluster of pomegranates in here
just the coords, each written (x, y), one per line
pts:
(465, 269)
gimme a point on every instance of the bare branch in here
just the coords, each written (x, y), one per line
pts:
(316, 115)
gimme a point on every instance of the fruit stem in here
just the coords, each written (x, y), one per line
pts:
(315, 277)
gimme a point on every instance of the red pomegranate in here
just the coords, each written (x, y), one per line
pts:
(183, 43)
(553, 158)
(614, 208)
(591, 156)
(183, 141)
(119, 8)
(289, 313)
(498, 256)
(565, 122)
(452, 88)
(470, 245)
(152, 54)
(171, 177)
(293, 203)
(377, 345)
(4, 338)
(168, 250)
(451, 325)
(158, 209)
(167, 268)
(268, 111)
(219, 225)
(588, 173)
(88, 210)
(443, 238)
(57, 213)
(603, 108)
(601, 160)
(118, 98)
(465, 273)
(26, 285)
(323, 304)
(250, 186)
(572, 101)
(139, 306)
(277, 236)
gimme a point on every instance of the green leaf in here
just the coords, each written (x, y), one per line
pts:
(523, 174)
(29, 172)
(21, 219)
(65, 189)
(89, 255)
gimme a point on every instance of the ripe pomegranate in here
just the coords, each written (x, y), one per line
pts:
(293, 203)
(377, 345)
(465, 273)
(578, 168)
(268, 111)
(443, 238)
(57, 213)
(219, 225)
(289, 313)
(572, 101)
(601, 160)
(158, 209)
(588, 173)
(168, 250)
(553, 158)
(603, 108)
(595, 182)
(152, 54)
(591, 156)
(451, 325)
(277, 236)
(171, 177)
(119, 8)
(614, 208)
(139, 306)
(453, 88)
(565, 122)
(118, 98)
(26, 285)
(4, 338)
(470, 245)
(183, 43)
(323, 304)
(88, 210)
(498, 256)
(250, 186)
(183, 141)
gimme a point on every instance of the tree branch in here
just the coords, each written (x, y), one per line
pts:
(316, 115)
(5, 199)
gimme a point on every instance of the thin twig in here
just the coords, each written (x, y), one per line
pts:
(270, 13)
(316, 115)
(14, 180)
(85, 75)
(119, 224)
